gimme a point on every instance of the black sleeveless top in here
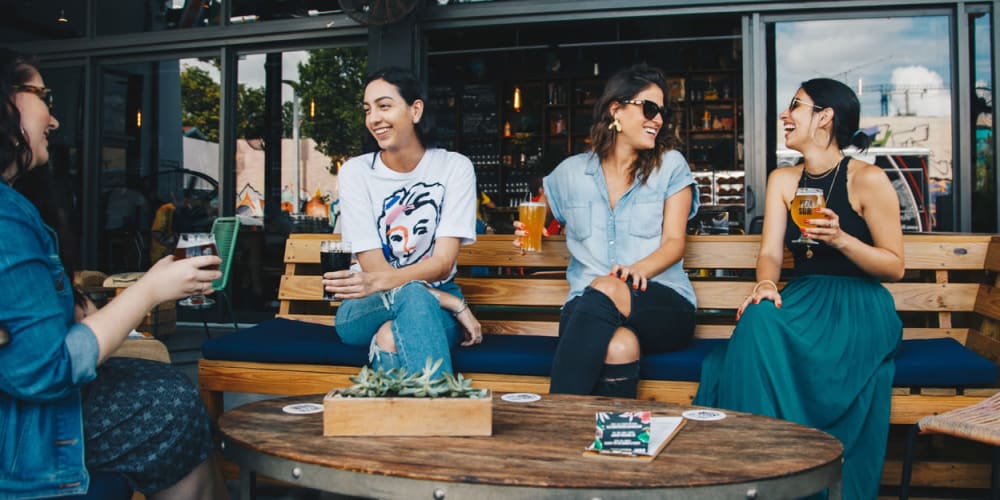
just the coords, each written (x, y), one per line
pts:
(825, 259)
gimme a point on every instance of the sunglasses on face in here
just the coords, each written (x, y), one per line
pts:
(43, 93)
(796, 102)
(649, 108)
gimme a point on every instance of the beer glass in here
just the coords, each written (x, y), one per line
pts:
(803, 207)
(195, 245)
(532, 214)
(334, 256)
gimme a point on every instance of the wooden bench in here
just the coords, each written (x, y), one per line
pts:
(950, 291)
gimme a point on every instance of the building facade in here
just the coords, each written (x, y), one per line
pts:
(511, 82)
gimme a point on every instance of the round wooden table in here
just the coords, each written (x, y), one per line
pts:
(536, 451)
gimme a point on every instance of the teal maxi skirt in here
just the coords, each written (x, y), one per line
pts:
(824, 360)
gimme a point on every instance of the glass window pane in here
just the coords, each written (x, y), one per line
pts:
(322, 125)
(116, 17)
(43, 20)
(984, 175)
(900, 68)
(251, 11)
(159, 154)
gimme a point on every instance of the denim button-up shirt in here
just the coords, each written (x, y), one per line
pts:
(42, 367)
(599, 237)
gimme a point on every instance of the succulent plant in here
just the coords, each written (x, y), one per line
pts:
(370, 383)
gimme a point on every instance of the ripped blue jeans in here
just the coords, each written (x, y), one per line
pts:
(420, 327)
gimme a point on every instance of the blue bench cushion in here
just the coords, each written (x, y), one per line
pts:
(286, 341)
(942, 363)
(927, 362)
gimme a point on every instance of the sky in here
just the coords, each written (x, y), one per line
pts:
(900, 52)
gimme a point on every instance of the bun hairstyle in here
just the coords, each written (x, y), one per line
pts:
(411, 90)
(827, 93)
(15, 149)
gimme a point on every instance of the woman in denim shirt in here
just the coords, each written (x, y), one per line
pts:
(65, 407)
(625, 206)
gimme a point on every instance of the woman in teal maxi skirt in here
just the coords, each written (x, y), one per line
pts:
(820, 352)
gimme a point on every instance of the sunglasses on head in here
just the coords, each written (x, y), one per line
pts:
(43, 93)
(796, 102)
(649, 108)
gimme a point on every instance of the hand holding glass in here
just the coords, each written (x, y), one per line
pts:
(196, 245)
(803, 208)
(334, 256)
(532, 215)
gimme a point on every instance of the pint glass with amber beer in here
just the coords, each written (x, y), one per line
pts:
(803, 208)
(532, 215)
(195, 245)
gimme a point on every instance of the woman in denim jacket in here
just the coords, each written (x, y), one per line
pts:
(65, 407)
(625, 207)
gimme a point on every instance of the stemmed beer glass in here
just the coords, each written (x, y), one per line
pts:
(195, 245)
(803, 208)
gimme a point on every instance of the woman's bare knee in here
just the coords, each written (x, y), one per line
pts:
(384, 338)
(623, 348)
(616, 290)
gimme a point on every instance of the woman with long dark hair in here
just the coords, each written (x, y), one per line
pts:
(66, 408)
(821, 350)
(625, 207)
(406, 210)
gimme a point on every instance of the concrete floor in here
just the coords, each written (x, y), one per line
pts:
(185, 350)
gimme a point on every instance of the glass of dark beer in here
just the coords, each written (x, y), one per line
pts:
(194, 245)
(334, 256)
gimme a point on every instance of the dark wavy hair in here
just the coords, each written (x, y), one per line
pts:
(623, 86)
(15, 69)
(827, 93)
(411, 89)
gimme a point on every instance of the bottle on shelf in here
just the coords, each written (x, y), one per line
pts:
(710, 93)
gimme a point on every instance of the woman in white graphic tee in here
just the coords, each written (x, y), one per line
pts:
(405, 209)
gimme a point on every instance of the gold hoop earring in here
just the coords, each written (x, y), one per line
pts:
(615, 125)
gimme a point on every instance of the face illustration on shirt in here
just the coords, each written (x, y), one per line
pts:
(410, 217)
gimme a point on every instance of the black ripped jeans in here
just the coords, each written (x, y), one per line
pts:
(661, 320)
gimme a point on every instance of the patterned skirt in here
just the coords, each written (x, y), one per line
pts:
(824, 359)
(145, 420)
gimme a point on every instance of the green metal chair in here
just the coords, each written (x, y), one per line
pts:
(226, 231)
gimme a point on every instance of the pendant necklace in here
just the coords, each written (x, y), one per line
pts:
(826, 196)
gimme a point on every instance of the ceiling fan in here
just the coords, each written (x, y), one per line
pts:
(377, 12)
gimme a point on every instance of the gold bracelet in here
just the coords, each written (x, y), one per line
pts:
(761, 282)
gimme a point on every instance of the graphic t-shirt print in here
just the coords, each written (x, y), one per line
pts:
(408, 223)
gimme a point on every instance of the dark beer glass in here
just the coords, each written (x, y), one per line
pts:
(334, 256)
(195, 245)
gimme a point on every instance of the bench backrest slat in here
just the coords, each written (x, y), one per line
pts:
(922, 252)
(927, 297)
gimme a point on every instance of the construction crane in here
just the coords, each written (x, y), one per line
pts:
(887, 89)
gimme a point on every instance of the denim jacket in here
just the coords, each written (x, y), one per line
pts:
(44, 364)
(598, 237)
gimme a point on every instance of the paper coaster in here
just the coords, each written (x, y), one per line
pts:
(703, 415)
(521, 397)
(303, 408)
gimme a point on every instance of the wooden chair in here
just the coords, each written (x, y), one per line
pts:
(979, 422)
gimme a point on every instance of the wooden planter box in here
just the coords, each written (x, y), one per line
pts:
(407, 416)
